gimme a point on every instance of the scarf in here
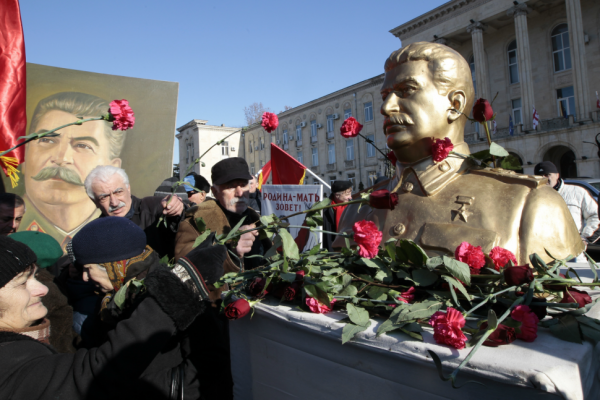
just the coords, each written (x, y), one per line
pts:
(39, 332)
(121, 272)
(338, 211)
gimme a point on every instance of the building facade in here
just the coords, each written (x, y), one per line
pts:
(537, 53)
(196, 137)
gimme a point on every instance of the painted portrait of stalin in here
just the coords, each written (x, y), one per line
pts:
(56, 167)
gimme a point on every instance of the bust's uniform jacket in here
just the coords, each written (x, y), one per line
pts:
(441, 205)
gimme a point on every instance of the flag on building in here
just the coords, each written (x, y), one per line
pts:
(536, 119)
(286, 169)
(511, 126)
(13, 118)
(263, 174)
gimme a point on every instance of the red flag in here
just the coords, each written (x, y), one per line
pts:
(264, 174)
(286, 169)
(13, 118)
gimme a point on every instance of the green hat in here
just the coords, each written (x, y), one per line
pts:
(45, 247)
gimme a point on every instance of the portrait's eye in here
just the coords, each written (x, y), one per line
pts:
(83, 146)
(46, 140)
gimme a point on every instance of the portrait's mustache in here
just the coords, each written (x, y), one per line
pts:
(238, 200)
(397, 119)
(66, 174)
(115, 208)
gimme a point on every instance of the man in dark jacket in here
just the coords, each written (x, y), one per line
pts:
(341, 192)
(109, 189)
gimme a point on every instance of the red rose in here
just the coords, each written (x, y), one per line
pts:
(470, 255)
(383, 199)
(367, 237)
(350, 128)
(501, 257)
(237, 309)
(300, 276)
(528, 321)
(121, 115)
(502, 335)
(482, 111)
(291, 291)
(572, 295)
(440, 148)
(392, 157)
(447, 328)
(518, 275)
(539, 311)
(269, 121)
(256, 287)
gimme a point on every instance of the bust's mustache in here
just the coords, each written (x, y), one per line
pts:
(397, 119)
(66, 174)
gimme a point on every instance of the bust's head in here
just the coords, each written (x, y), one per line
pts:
(424, 82)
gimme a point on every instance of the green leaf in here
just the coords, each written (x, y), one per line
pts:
(593, 266)
(412, 334)
(458, 269)
(288, 276)
(315, 249)
(234, 230)
(350, 330)
(350, 290)
(358, 315)
(325, 202)
(492, 320)
(384, 275)
(453, 282)
(498, 151)
(165, 259)
(318, 293)
(290, 248)
(390, 247)
(333, 271)
(346, 280)
(413, 327)
(414, 252)
(376, 264)
(378, 293)
(434, 262)
(121, 295)
(200, 224)
(387, 326)
(201, 238)
(590, 333)
(511, 162)
(419, 310)
(277, 242)
(567, 329)
(481, 155)
(424, 277)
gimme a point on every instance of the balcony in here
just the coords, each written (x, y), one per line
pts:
(315, 169)
(349, 163)
(314, 139)
(331, 167)
(556, 123)
(330, 135)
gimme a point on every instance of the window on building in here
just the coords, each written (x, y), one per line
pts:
(250, 143)
(300, 158)
(299, 133)
(517, 111)
(224, 149)
(347, 113)
(561, 48)
(260, 164)
(252, 168)
(315, 156)
(370, 147)
(262, 143)
(330, 123)
(349, 150)
(187, 150)
(285, 137)
(369, 111)
(513, 65)
(191, 150)
(352, 179)
(565, 99)
(372, 177)
(316, 181)
(331, 153)
(313, 128)
(332, 179)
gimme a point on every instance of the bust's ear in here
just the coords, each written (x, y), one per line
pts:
(458, 102)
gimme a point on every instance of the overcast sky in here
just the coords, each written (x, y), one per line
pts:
(224, 54)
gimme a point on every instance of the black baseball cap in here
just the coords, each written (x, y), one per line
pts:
(545, 168)
(230, 169)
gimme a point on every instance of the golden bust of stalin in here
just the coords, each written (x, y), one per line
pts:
(443, 204)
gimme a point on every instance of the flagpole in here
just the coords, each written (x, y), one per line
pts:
(313, 174)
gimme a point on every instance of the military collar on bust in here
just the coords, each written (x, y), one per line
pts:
(433, 177)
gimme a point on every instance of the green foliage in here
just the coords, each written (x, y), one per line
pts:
(350, 330)
(498, 151)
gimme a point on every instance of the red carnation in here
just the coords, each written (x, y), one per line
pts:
(350, 128)
(392, 157)
(447, 328)
(441, 148)
(383, 199)
(408, 296)
(572, 295)
(269, 121)
(482, 111)
(501, 257)
(502, 335)
(470, 255)
(367, 237)
(528, 321)
(237, 309)
(121, 115)
(518, 275)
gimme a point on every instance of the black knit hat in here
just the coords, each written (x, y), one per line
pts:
(107, 239)
(15, 257)
(545, 168)
(230, 169)
(340, 186)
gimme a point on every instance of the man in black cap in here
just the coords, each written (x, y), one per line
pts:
(582, 206)
(231, 189)
(341, 192)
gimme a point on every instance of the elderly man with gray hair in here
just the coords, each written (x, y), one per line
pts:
(109, 189)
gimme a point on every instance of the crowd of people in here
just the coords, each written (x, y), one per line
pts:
(105, 317)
